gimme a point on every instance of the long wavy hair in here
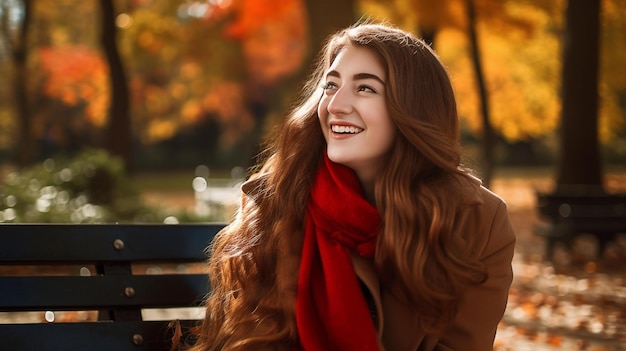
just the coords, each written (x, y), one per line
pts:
(422, 195)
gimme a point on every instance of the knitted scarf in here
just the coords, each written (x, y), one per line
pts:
(331, 312)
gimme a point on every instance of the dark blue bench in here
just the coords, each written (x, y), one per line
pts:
(112, 255)
(602, 216)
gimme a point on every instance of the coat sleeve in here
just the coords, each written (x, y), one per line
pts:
(482, 306)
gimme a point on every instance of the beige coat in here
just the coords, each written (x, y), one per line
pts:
(481, 308)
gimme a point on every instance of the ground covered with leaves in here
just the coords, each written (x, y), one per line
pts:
(574, 301)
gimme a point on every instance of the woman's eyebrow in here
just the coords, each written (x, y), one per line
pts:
(361, 76)
(358, 76)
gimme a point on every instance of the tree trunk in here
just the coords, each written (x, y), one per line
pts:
(26, 140)
(488, 134)
(119, 141)
(325, 18)
(579, 167)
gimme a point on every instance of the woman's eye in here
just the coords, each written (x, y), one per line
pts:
(329, 86)
(366, 88)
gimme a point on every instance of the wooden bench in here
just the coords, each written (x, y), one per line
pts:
(601, 215)
(99, 268)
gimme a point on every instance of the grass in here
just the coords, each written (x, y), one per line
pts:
(171, 181)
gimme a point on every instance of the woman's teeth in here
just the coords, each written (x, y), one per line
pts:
(345, 129)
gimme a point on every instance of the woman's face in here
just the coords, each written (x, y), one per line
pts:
(353, 113)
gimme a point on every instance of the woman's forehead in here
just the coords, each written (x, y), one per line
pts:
(352, 60)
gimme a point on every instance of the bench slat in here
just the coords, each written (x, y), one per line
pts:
(100, 292)
(70, 243)
(94, 336)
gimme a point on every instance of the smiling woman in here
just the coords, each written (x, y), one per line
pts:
(361, 230)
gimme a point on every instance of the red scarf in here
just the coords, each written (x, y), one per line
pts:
(331, 312)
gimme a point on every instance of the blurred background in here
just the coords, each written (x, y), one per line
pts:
(153, 111)
(166, 86)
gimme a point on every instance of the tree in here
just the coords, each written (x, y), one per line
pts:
(273, 38)
(488, 134)
(120, 128)
(325, 18)
(579, 168)
(19, 53)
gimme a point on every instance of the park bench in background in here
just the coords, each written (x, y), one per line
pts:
(111, 258)
(601, 215)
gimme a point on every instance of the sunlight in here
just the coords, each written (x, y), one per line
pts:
(123, 21)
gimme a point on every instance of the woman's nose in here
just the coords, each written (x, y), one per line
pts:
(340, 102)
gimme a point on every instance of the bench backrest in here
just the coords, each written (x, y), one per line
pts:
(601, 207)
(99, 268)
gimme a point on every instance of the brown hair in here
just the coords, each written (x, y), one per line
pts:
(422, 195)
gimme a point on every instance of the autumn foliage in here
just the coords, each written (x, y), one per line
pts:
(193, 61)
(76, 75)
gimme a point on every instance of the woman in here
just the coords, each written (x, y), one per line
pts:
(361, 231)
